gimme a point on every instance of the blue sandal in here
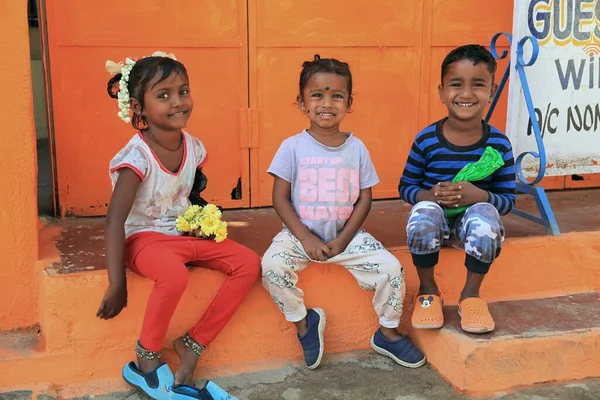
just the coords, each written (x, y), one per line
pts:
(210, 391)
(156, 384)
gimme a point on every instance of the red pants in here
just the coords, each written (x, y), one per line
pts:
(163, 258)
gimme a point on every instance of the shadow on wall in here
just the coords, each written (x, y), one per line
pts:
(45, 190)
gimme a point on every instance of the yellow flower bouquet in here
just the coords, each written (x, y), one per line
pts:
(204, 222)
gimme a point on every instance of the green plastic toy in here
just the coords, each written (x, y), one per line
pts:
(490, 161)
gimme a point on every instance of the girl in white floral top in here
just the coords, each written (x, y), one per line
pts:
(152, 178)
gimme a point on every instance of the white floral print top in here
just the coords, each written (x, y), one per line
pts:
(162, 195)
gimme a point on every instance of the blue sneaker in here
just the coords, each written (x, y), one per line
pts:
(312, 341)
(156, 384)
(402, 351)
(210, 391)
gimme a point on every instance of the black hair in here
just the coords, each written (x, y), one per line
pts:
(141, 74)
(327, 65)
(472, 52)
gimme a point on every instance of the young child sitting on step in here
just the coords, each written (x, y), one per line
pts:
(437, 155)
(152, 178)
(322, 193)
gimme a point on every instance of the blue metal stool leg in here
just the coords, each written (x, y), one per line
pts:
(541, 200)
(546, 217)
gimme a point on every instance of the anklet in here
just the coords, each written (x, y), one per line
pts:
(144, 353)
(195, 346)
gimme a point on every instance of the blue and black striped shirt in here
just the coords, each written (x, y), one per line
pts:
(433, 159)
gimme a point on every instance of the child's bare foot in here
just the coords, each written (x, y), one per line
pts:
(185, 373)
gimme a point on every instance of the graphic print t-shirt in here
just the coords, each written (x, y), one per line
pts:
(162, 195)
(326, 181)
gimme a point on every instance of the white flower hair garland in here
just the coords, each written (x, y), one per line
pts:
(125, 69)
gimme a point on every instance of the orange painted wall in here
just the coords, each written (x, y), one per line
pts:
(18, 202)
(395, 51)
(210, 39)
(244, 59)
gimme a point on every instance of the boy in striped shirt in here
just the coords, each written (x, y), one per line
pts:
(437, 154)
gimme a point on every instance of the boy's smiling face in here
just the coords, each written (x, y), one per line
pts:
(466, 89)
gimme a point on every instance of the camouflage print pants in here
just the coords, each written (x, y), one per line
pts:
(479, 231)
(372, 265)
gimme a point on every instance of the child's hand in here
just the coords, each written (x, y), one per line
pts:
(448, 194)
(315, 248)
(471, 194)
(113, 302)
(457, 194)
(336, 246)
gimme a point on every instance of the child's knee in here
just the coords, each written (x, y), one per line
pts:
(425, 228)
(427, 210)
(251, 266)
(487, 213)
(175, 280)
(428, 205)
(277, 274)
(272, 269)
(268, 263)
(391, 266)
(277, 259)
(425, 216)
(483, 223)
(483, 234)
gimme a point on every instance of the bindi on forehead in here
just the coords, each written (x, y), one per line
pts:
(327, 81)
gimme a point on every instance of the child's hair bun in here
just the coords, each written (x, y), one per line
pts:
(307, 64)
(112, 87)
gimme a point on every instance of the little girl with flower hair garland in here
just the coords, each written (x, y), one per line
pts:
(153, 177)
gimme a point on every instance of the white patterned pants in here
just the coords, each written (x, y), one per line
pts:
(372, 265)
